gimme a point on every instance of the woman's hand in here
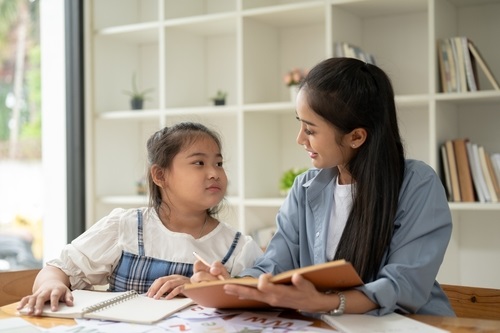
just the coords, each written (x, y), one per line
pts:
(171, 284)
(54, 291)
(301, 295)
(204, 272)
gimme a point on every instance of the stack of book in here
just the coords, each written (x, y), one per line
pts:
(458, 59)
(470, 173)
(344, 49)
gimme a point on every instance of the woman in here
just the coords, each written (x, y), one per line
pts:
(363, 202)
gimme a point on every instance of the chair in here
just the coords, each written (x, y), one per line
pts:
(474, 302)
(14, 285)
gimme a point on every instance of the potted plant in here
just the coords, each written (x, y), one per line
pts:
(219, 98)
(292, 79)
(137, 96)
(287, 179)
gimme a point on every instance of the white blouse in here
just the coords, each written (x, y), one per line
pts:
(91, 258)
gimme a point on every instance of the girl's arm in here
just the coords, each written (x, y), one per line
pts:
(51, 284)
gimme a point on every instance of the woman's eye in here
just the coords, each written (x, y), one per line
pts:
(220, 164)
(199, 163)
(308, 132)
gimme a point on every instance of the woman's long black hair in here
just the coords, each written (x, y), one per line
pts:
(350, 94)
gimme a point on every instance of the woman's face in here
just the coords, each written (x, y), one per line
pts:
(318, 137)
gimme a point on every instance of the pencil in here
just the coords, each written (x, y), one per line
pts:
(220, 277)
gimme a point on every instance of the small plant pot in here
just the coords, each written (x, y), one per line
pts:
(219, 102)
(136, 103)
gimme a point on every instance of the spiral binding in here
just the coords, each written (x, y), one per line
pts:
(110, 302)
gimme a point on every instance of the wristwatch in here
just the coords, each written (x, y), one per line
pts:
(340, 310)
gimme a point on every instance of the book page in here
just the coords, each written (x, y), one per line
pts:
(82, 299)
(141, 309)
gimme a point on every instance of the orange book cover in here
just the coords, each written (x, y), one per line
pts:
(333, 275)
(463, 170)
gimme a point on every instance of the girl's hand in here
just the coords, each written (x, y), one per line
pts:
(204, 272)
(171, 284)
(54, 291)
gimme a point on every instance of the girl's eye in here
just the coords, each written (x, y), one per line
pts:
(308, 132)
(199, 163)
(220, 164)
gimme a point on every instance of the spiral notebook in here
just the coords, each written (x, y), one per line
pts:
(126, 306)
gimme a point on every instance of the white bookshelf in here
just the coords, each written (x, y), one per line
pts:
(187, 50)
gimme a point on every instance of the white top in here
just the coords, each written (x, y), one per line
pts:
(342, 202)
(91, 258)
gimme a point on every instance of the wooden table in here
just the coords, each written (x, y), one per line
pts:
(452, 324)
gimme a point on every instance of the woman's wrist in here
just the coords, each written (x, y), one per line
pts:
(336, 306)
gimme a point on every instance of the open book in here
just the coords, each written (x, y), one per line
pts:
(333, 275)
(126, 306)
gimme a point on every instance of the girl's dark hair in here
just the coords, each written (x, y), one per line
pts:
(165, 144)
(350, 94)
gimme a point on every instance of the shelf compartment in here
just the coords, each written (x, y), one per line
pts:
(396, 33)
(131, 12)
(190, 8)
(198, 63)
(281, 37)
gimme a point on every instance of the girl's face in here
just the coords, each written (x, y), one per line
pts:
(318, 137)
(196, 179)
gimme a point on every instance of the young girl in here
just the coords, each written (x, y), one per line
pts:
(150, 250)
(363, 202)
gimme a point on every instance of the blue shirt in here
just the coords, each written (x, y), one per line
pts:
(406, 280)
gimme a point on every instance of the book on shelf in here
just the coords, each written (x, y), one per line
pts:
(333, 275)
(486, 173)
(482, 177)
(463, 170)
(455, 185)
(453, 87)
(126, 306)
(459, 59)
(493, 175)
(469, 65)
(446, 172)
(483, 65)
(344, 49)
(495, 161)
(444, 66)
(477, 177)
(458, 55)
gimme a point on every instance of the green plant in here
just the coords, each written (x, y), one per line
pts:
(288, 177)
(220, 95)
(136, 93)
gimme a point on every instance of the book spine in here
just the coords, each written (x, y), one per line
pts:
(493, 175)
(482, 179)
(463, 170)
(469, 69)
(446, 172)
(453, 66)
(444, 66)
(453, 171)
(483, 65)
(474, 167)
(460, 64)
(487, 177)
